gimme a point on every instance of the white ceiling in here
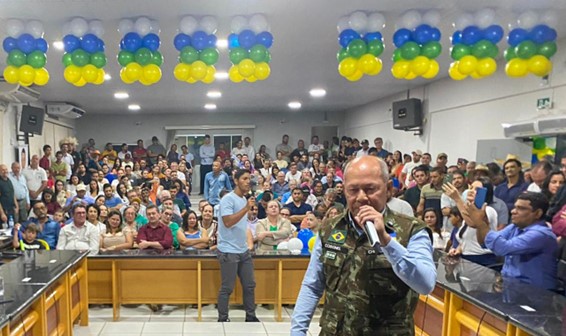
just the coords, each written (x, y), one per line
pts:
(304, 51)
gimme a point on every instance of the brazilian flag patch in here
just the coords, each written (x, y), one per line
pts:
(338, 236)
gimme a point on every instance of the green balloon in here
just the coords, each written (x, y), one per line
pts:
(143, 56)
(460, 50)
(357, 48)
(481, 49)
(375, 47)
(547, 49)
(237, 55)
(493, 51)
(125, 58)
(431, 49)
(343, 53)
(258, 53)
(539, 143)
(80, 58)
(509, 54)
(526, 49)
(189, 55)
(98, 59)
(16, 58)
(410, 50)
(157, 58)
(67, 59)
(268, 57)
(396, 55)
(36, 59)
(209, 56)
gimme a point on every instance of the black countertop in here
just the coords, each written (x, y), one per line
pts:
(188, 253)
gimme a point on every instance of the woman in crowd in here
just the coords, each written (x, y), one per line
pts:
(397, 165)
(122, 191)
(208, 223)
(552, 183)
(331, 213)
(92, 216)
(253, 220)
(248, 166)
(99, 200)
(61, 195)
(306, 178)
(258, 161)
(137, 171)
(140, 217)
(274, 171)
(50, 202)
(103, 213)
(266, 169)
(281, 164)
(173, 156)
(72, 187)
(273, 229)
(439, 237)
(192, 235)
(315, 170)
(155, 189)
(93, 189)
(130, 224)
(263, 152)
(115, 239)
(456, 220)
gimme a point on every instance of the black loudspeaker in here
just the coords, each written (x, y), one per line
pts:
(407, 114)
(32, 120)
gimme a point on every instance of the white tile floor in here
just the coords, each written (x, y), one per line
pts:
(182, 320)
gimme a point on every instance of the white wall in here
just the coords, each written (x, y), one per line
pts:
(458, 113)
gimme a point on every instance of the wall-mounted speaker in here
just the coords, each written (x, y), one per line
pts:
(407, 114)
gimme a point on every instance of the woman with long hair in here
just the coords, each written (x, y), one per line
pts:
(172, 155)
(258, 161)
(192, 235)
(208, 223)
(439, 237)
(115, 238)
(552, 183)
(103, 213)
(556, 213)
(273, 229)
(50, 203)
(61, 195)
(72, 187)
(315, 169)
(397, 165)
(122, 191)
(92, 215)
(263, 152)
(93, 189)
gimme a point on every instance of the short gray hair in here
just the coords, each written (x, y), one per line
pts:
(382, 165)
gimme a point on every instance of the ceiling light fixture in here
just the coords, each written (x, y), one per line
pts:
(221, 75)
(317, 93)
(214, 94)
(222, 44)
(210, 106)
(134, 107)
(59, 45)
(295, 105)
(121, 95)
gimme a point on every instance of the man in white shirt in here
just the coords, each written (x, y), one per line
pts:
(21, 191)
(293, 174)
(406, 173)
(239, 149)
(207, 153)
(68, 158)
(124, 151)
(79, 234)
(315, 147)
(36, 179)
(364, 150)
(538, 174)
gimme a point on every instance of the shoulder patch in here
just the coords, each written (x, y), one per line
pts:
(337, 236)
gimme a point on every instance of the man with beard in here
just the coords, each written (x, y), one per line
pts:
(48, 229)
(446, 203)
(413, 194)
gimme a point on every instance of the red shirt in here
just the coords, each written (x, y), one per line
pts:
(44, 163)
(224, 154)
(161, 234)
(139, 153)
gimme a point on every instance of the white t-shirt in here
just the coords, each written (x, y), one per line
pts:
(400, 206)
(534, 187)
(122, 155)
(440, 241)
(290, 176)
(34, 178)
(469, 241)
(70, 163)
(408, 169)
(314, 148)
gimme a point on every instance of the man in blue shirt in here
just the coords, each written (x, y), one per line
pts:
(214, 182)
(514, 184)
(298, 207)
(48, 229)
(233, 254)
(528, 245)
(111, 201)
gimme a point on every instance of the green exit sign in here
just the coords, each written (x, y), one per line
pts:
(543, 103)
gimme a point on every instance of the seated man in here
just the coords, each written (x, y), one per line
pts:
(298, 208)
(79, 234)
(47, 229)
(154, 234)
(528, 244)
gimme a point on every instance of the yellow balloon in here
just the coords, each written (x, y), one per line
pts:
(433, 70)
(191, 80)
(262, 71)
(367, 63)
(182, 72)
(90, 73)
(26, 83)
(26, 74)
(420, 65)
(400, 69)
(80, 83)
(311, 243)
(134, 71)
(11, 74)
(234, 74)
(210, 72)
(486, 67)
(41, 77)
(144, 81)
(72, 74)
(454, 73)
(377, 69)
(246, 68)
(517, 67)
(539, 65)
(198, 70)
(151, 73)
(467, 64)
(356, 76)
(476, 75)
(411, 75)
(251, 79)
(347, 67)
(99, 77)
(124, 77)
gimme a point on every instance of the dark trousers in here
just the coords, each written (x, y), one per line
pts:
(22, 214)
(240, 264)
(204, 169)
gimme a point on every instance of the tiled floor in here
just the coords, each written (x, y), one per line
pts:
(182, 320)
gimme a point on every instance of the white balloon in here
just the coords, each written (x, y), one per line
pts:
(258, 23)
(295, 252)
(463, 21)
(208, 24)
(376, 22)
(79, 26)
(188, 25)
(343, 24)
(155, 28)
(295, 244)
(359, 21)
(432, 18)
(35, 28)
(66, 28)
(549, 18)
(528, 20)
(411, 19)
(283, 246)
(96, 27)
(143, 26)
(125, 26)
(14, 28)
(238, 24)
(484, 18)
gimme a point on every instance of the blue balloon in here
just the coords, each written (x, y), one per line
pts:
(422, 34)
(247, 39)
(233, 41)
(435, 34)
(101, 45)
(542, 33)
(373, 36)
(456, 37)
(471, 35)
(181, 40)
(493, 33)
(71, 43)
(305, 235)
(9, 44)
(132, 42)
(200, 40)
(347, 36)
(401, 36)
(151, 41)
(517, 36)
(41, 45)
(122, 46)
(89, 43)
(26, 43)
(211, 41)
(265, 39)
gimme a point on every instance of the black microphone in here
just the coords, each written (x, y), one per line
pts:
(371, 232)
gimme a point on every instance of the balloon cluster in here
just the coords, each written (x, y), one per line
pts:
(26, 50)
(474, 45)
(249, 45)
(139, 53)
(417, 45)
(196, 43)
(84, 57)
(532, 45)
(541, 150)
(362, 44)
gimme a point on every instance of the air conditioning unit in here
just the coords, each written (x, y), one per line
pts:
(64, 110)
(548, 125)
(17, 94)
(552, 125)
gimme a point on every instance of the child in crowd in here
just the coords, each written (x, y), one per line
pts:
(28, 239)
(59, 217)
(456, 219)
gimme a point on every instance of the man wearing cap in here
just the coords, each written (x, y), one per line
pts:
(298, 207)
(406, 173)
(365, 149)
(381, 152)
(80, 198)
(441, 161)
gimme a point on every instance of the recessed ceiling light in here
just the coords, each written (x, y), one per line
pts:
(221, 75)
(318, 93)
(295, 105)
(222, 44)
(59, 45)
(210, 106)
(214, 94)
(121, 95)
(107, 77)
(134, 107)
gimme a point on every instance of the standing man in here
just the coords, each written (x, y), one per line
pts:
(36, 178)
(513, 185)
(442, 162)
(233, 254)
(59, 168)
(124, 151)
(370, 290)
(315, 147)
(45, 160)
(155, 149)
(207, 153)
(381, 152)
(139, 152)
(364, 150)
(68, 158)
(248, 148)
(79, 234)
(413, 194)
(21, 192)
(284, 148)
(214, 182)
(8, 201)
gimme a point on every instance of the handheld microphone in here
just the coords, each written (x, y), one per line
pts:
(371, 232)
